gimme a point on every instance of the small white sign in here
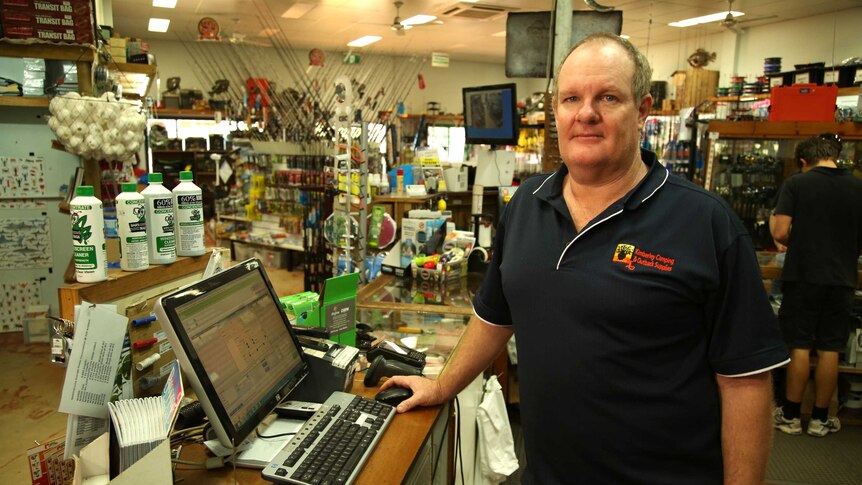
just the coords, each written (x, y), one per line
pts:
(439, 59)
(830, 77)
(802, 78)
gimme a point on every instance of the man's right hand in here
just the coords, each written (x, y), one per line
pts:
(425, 391)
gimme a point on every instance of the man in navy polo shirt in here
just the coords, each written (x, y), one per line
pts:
(645, 337)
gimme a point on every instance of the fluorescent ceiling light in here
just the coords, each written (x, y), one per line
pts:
(159, 25)
(418, 20)
(704, 19)
(364, 41)
(165, 3)
(297, 10)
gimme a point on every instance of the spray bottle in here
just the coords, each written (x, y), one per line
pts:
(159, 203)
(88, 236)
(188, 200)
(132, 229)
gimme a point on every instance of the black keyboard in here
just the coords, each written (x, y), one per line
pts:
(333, 444)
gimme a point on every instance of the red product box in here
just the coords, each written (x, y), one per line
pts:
(42, 6)
(75, 35)
(803, 102)
(45, 19)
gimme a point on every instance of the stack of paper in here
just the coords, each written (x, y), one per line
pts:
(140, 425)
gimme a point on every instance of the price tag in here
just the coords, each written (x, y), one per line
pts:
(830, 77)
(776, 81)
(801, 78)
(858, 77)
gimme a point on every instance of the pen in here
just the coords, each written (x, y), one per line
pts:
(144, 343)
(141, 321)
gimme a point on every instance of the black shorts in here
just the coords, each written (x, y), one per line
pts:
(815, 316)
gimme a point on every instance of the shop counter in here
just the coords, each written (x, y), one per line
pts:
(397, 458)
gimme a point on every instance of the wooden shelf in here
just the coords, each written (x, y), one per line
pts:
(741, 98)
(192, 114)
(62, 52)
(433, 118)
(291, 247)
(135, 79)
(25, 101)
(784, 130)
(664, 112)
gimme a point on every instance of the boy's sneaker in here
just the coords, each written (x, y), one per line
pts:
(789, 426)
(822, 428)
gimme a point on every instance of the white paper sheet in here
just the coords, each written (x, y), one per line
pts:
(92, 368)
(81, 431)
(258, 452)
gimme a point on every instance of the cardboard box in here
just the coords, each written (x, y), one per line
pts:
(46, 19)
(691, 87)
(77, 7)
(75, 35)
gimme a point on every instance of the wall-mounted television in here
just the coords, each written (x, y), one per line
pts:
(491, 115)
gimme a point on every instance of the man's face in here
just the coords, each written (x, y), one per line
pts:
(598, 119)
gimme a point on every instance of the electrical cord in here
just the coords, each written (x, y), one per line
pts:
(458, 437)
(263, 436)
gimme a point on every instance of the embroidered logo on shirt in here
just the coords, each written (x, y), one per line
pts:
(631, 256)
(624, 254)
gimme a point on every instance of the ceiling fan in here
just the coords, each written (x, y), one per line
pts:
(730, 23)
(400, 26)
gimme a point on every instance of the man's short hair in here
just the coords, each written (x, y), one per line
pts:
(818, 148)
(642, 73)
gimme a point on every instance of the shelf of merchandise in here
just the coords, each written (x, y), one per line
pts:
(83, 55)
(784, 130)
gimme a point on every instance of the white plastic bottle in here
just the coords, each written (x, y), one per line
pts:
(188, 201)
(132, 229)
(159, 202)
(88, 236)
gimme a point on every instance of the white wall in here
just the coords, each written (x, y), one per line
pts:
(829, 38)
(198, 63)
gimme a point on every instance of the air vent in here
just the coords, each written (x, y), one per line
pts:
(475, 11)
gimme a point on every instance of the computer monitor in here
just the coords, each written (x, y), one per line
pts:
(491, 115)
(235, 346)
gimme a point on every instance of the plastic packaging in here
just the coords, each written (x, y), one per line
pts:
(159, 202)
(189, 223)
(132, 229)
(88, 236)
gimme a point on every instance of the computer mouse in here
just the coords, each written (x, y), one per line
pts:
(394, 395)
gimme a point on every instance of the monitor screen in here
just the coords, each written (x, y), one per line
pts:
(491, 115)
(236, 347)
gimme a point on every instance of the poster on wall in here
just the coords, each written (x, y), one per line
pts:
(15, 299)
(25, 243)
(21, 177)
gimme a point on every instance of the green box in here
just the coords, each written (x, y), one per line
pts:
(304, 307)
(333, 310)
